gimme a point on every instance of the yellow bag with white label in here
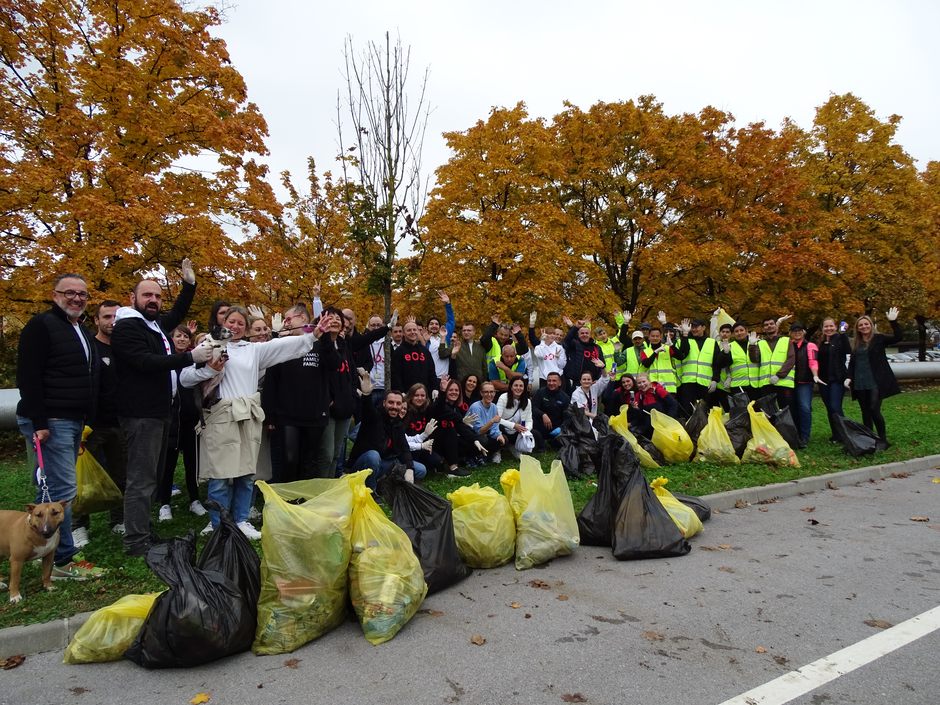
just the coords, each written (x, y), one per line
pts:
(686, 519)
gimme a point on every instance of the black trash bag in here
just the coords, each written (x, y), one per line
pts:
(601, 425)
(570, 459)
(767, 404)
(698, 505)
(596, 520)
(857, 440)
(738, 427)
(428, 520)
(655, 453)
(229, 552)
(738, 401)
(783, 421)
(697, 421)
(577, 421)
(202, 617)
(582, 433)
(642, 527)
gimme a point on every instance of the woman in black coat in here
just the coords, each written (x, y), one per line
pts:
(870, 377)
(834, 347)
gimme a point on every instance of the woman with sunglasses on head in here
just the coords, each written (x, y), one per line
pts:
(870, 376)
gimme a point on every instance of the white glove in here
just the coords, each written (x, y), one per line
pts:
(201, 353)
(427, 445)
(712, 386)
(434, 394)
(782, 319)
(188, 275)
(661, 317)
(479, 447)
(430, 428)
(410, 476)
(365, 383)
(627, 316)
(848, 383)
(727, 384)
(752, 338)
(774, 379)
(393, 321)
(892, 314)
(819, 381)
(532, 317)
(716, 311)
(255, 311)
(685, 326)
(469, 419)
(660, 349)
(277, 322)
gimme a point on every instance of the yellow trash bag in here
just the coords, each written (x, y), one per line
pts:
(110, 631)
(386, 581)
(306, 549)
(546, 526)
(671, 438)
(483, 526)
(685, 517)
(620, 424)
(767, 445)
(714, 443)
(96, 490)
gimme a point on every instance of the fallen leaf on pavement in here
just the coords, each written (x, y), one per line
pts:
(782, 660)
(562, 597)
(726, 569)
(831, 485)
(935, 527)
(808, 509)
(878, 623)
(720, 546)
(812, 521)
(292, 662)
(528, 616)
(201, 698)
(708, 548)
(515, 605)
(920, 519)
(540, 584)
(764, 509)
(559, 582)
(741, 504)
(761, 650)
(838, 495)
(936, 480)
(478, 640)
(653, 636)
(11, 662)
(435, 613)
(573, 698)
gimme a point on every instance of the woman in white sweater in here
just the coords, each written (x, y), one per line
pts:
(232, 434)
(515, 413)
(587, 395)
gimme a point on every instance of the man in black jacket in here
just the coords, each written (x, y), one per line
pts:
(548, 407)
(381, 441)
(57, 375)
(412, 363)
(146, 387)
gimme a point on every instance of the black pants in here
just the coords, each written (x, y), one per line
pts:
(299, 447)
(869, 400)
(428, 458)
(687, 395)
(187, 443)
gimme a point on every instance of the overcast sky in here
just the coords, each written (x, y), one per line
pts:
(759, 60)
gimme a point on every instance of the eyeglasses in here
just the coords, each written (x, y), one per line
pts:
(80, 295)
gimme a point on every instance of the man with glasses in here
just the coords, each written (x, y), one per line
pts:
(57, 375)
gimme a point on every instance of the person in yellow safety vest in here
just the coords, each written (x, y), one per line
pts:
(498, 335)
(776, 358)
(658, 362)
(724, 360)
(507, 368)
(742, 373)
(628, 359)
(608, 346)
(698, 376)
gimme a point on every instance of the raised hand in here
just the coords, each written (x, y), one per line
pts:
(892, 314)
(532, 317)
(444, 381)
(496, 318)
(782, 319)
(752, 338)
(393, 321)
(685, 326)
(444, 297)
(193, 327)
(627, 316)
(598, 362)
(316, 289)
(409, 319)
(470, 419)
(365, 382)
(430, 428)
(189, 276)
(277, 322)
(255, 311)
(661, 317)
(516, 329)
(567, 321)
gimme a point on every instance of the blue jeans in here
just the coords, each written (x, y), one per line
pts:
(334, 437)
(372, 459)
(59, 455)
(234, 494)
(832, 395)
(802, 409)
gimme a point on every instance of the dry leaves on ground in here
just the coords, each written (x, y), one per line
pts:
(292, 662)
(920, 518)
(880, 624)
(201, 698)
(741, 504)
(724, 547)
(12, 662)
(573, 698)
(726, 569)
(435, 613)
(831, 486)
(653, 636)
(808, 509)
(478, 640)
(541, 584)
(761, 650)
(562, 597)
(708, 548)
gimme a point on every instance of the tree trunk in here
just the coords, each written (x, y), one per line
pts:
(921, 322)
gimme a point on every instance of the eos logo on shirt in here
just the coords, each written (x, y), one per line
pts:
(593, 353)
(414, 357)
(549, 356)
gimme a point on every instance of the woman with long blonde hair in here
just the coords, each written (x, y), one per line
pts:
(870, 377)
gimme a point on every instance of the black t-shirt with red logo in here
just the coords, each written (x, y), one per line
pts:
(413, 364)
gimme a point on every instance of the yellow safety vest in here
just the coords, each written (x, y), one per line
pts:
(608, 350)
(662, 371)
(632, 356)
(514, 368)
(697, 366)
(744, 373)
(772, 360)
(496, 351)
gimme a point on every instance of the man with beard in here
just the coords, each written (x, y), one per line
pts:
(146, 387)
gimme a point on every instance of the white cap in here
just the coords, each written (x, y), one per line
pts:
(636, 334)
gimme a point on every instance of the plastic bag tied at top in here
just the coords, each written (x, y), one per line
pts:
(484, 526)
(767, 445)
(670, 437)
(620, 425)
(714, 443)
(108, 633)
(686, 519)
(95, 490)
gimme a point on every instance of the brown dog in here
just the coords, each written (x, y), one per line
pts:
(26, 536)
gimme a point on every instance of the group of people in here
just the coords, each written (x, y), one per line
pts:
(279, 398)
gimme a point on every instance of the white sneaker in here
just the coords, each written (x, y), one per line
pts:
(175, 491)
(197, 508)
(207, 530)
(80, 537)
(496, 458)
(166, 514)
(254, 514)
(249, 531)
(118, 529)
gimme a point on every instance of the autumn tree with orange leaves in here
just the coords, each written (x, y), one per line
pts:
(104, 106)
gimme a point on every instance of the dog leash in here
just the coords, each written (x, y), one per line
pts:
(41, 471)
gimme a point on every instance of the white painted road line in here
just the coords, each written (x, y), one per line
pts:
(801, 681)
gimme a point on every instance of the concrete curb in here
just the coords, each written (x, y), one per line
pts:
(51, 636)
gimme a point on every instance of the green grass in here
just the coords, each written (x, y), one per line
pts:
(913, 420)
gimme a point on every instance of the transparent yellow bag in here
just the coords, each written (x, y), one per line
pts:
(483, 526)
(767, 445)
(714, 443)
(620, 424)
(671, 438)
(96, 490)
(306, 550)
(386, 582)
(686, 518)
(546, 525)
(110, 631)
